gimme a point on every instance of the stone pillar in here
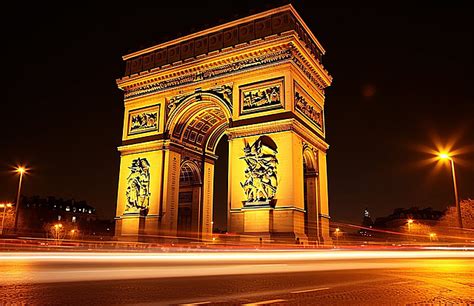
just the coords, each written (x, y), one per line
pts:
(323, 202)
(207, 200)
(170, 197)
(282, 219)
(133, 223)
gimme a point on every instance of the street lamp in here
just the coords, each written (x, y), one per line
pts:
(57, 231)
(20, 170)
(432, 236)
(445, 156)
(409, 223)
(337, 235)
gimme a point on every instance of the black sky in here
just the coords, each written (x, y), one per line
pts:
(402, 78)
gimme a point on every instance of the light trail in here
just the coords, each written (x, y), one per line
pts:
(19, 268)
(277, 255)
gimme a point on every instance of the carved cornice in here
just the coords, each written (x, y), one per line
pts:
(239, 63)
(204, 72)
(144, 147)
(309, 71)
(275, 127)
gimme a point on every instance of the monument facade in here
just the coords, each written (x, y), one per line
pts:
(260, 81)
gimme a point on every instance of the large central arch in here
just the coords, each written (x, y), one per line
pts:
(197, 123)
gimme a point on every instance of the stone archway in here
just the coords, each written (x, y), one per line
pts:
(190, 185)
(196, 124)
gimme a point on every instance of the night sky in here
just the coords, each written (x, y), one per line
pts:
(403, 79)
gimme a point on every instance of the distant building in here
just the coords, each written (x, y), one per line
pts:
(37, 214)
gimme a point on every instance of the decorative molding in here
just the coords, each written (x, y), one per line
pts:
(261, 181)
(230, 67)
(143, 120)
(262, 96)
(308, 107)
(276, 127)
(235, 34)
(223, 91)
(282, 53)
(154, 145)
(137, 192)
(315, 78)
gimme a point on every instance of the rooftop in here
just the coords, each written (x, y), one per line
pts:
(244, 30)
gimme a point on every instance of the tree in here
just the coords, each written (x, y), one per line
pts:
(450, 218)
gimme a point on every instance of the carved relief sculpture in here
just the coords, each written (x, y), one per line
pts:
(138, 187)
(260, 183)
(264, 96)
(308, 107)
(143, 120)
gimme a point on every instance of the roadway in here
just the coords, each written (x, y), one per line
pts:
(258, 277)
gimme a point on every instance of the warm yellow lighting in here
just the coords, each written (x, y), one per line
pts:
(410, 221)
(432, 235)
(73, 231)
(443, 156)
(21, 169)
(337, 229)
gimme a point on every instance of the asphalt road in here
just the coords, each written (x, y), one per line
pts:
(382, 281)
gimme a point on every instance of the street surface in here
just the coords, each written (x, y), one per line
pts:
(262, 278)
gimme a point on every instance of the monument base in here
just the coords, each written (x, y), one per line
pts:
(275, 225)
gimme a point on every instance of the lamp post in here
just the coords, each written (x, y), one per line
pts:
(21, 170)
(444, 156)
(57, 230)
(337, 235)
(409, 223)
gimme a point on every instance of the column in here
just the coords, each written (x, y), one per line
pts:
(323, 199)
(207, 202)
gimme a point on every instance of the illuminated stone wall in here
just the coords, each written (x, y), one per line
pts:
(266, 94)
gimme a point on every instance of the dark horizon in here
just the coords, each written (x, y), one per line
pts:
(402, 82)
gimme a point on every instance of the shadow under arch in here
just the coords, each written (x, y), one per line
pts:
(190, 188)
(311, 195)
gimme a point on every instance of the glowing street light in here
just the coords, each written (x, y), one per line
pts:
(56, 230)
(20, 170)
(73, 233)
(445, 156)
(432, 236)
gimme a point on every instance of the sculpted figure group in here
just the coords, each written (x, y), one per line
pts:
(260, 183)
(138, 186)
